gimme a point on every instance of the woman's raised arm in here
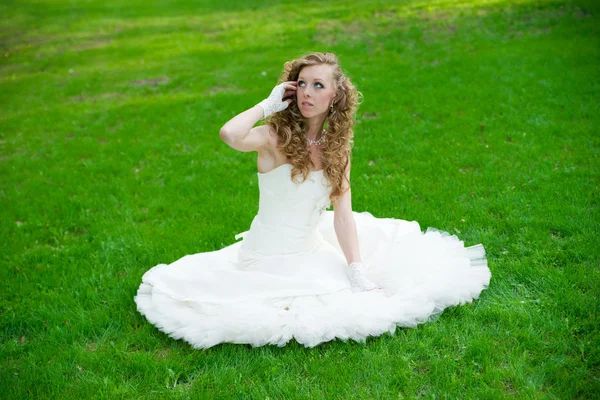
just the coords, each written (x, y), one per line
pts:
(236, 130)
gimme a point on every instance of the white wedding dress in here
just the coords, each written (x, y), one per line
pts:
(287, 277)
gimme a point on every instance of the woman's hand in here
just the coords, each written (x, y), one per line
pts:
(358, 281)
(275, 103)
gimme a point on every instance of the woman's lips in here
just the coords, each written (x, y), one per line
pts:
(306, 104)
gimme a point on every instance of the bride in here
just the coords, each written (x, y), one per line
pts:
(302, 271)
(317, 91)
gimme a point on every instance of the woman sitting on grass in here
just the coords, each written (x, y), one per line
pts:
(302, 271)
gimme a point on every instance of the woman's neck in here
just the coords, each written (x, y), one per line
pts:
(314, 126)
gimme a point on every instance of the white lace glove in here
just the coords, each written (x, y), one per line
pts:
(274, 103)
(358, 281)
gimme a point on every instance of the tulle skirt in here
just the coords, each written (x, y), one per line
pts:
(233, 295)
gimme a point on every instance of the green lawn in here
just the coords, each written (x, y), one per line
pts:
(480, 118)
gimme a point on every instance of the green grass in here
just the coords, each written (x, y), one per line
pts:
(480, 118)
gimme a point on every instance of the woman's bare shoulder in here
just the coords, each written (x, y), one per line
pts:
(269, 139)
(270, 135)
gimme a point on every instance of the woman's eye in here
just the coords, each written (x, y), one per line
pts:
(302, 84)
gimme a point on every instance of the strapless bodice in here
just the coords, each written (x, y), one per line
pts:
(288, 213)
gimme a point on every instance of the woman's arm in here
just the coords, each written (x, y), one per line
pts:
(344, 224)
(236, 130)
(347, 235)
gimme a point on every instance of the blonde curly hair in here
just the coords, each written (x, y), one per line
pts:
(289, 125)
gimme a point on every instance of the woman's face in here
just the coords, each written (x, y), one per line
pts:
(315, 91)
